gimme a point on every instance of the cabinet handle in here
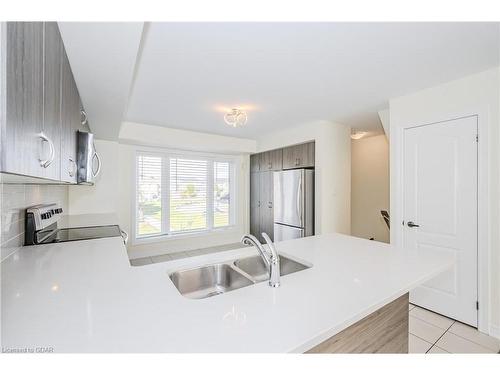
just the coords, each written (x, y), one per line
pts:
(85, 119)
(124, 236)
(45, 163)
(269, 204)
(297, 161)
(96, 155)
(72, 165)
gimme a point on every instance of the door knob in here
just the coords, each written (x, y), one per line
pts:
(411, 224)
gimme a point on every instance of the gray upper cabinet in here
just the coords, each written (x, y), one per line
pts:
(71, 122)
(83, 119)
(23, 118)
(271, 160)
(255, 163)
(52, 99)
(42, 105)
(298, 156)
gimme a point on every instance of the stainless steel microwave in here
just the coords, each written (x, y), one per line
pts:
(88, 160)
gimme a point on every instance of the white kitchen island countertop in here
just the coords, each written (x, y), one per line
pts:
(84, 296)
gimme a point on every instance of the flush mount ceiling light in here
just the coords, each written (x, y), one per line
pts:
(357, 134)
(235, 118)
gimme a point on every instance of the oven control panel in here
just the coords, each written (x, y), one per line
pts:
(44, 215)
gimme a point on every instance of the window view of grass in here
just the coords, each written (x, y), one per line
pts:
(187, 195)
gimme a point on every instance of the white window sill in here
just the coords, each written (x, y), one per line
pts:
(181, 235)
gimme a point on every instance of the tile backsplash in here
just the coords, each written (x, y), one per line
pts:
(14, 199)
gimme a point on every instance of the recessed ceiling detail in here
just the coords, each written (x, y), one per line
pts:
(295, 73)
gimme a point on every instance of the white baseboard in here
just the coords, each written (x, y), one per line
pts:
(495, 331)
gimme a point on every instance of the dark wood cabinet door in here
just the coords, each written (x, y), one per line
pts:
(266, 204)
(309, 158)
(290, 157)
(255, 163)
(70, 121)
(52, 97)
(271, 160)
(255, 204)
(298, 156)
(276, 159)
(265, 161)
(21, 144)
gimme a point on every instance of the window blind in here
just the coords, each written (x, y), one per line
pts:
(221, 194)
(182, 193)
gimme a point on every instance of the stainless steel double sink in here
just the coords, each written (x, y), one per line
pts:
(211, 280)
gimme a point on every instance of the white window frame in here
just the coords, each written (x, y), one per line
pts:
(166, 154)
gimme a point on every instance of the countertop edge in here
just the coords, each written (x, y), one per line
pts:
(339, 328)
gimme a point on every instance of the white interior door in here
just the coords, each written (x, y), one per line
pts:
(440, 199)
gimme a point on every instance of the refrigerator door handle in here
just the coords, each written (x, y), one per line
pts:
(299, 206)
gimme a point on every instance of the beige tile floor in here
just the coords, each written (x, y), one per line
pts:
(434, 333)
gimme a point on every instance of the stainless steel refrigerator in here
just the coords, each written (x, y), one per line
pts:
(293, 204)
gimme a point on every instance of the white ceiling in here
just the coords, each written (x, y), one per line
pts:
(103, 57)
(289, 73)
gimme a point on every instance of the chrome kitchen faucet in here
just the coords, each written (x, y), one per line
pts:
(272, 259)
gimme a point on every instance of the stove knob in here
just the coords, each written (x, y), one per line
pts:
(43, 216)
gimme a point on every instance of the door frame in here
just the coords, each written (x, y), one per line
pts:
(483, 192)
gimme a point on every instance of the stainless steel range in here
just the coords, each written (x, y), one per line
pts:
(41, 227)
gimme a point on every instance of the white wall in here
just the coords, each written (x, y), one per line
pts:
(369, 187)
(113, 191)
(384, 117)
(475, 94)
(150, 135)
(332, 170)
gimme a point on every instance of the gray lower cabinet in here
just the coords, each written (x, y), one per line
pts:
(261, 204)
(298, 156)
(40, 103)
(22, 121)
(266, 204)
